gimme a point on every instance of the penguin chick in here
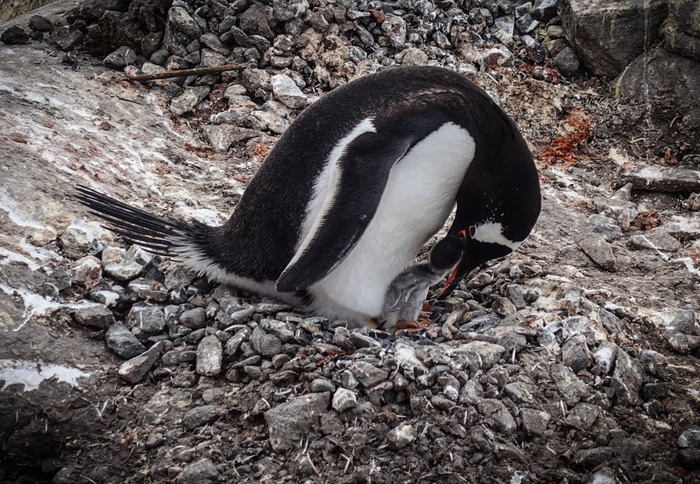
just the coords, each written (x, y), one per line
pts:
(404, 299)
(351, 192)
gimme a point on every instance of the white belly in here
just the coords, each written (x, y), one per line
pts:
(418, 198)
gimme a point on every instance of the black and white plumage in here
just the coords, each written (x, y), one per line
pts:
(354, 188)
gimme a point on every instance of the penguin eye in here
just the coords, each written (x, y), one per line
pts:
(472, 231)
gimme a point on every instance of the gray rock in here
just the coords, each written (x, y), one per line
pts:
(503, 307)
(289, 422)
(394, 28)
(120, 264)
(487, 353)
(188, 100)
(605, 226)
(481, 15)
(82, 238)
(148, 318)
(414, 57)
(505, 24)
(40, 24)
(209, 356)
(526, 24)
(194, 318)
(535, 421)
(604, 476)
(254, 21)
(120, 58)
(690, 438)
(66, 38)
(287, 92)
(575, 353)
(544, 10)
(201, 472)
(267, 345)
(407, 360)
(627, 378)
(590, 25)
(233, 344)
(204, 415)
(93, 315)
(399, 437)
(183, 22)
(497, 415)
(210, 58)
(520, 392)
(592, 458)
(214, 43)
(568, 384)
(133, 370)
(284, 10)
(255, 80)
(605, 356)
(367, 374)
(600, 250)
(86, 271)
(149, 289)
(344, 399)
(122, 341)
(583, 416)
(567, 62)
(684, 322)
(322, 385)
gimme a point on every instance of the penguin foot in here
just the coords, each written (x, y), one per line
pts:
(412, 326)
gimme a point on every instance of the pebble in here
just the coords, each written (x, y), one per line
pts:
(120, 58)
(399, 437)
(600, 250)
(149, 290)
(322, 385)
(204, 415)
(367, 374)
(627, 378)
(287, 92)
(195, 318)
(605, 356)
(568, 384)
(122, 341)
(188, 100)
(488, 353)
(289, 422)
(209, 356)
(535, 421)
(86, 271)
(267, 345)
(575, 353)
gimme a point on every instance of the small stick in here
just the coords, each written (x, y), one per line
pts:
(187, 72)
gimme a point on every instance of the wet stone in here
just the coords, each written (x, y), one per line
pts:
(399, 437)
(209, 356)
(289, 422)
(148, 318)
(93, 315)
(123, 342)
(194, 318)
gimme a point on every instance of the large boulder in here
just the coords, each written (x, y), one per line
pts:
(682, 30)
(609, 34)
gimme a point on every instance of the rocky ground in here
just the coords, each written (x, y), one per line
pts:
(573, 360)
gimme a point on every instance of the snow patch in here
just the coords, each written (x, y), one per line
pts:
(33, 303)
(31, 374)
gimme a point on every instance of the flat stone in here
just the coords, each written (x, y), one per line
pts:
(204, 415)
(367, 374)
(289, 422)
(214, 43)
(133, 370)
(568, 384)
(209, 356)
(488, 353)
(600, 250)
(149, 289)
(322, 385)
(591, 458)
(66, 38)
(93, 315)
(122, 341)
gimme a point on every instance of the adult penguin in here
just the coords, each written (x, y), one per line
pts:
(354, 188)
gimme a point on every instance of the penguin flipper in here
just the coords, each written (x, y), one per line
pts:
(364, 170)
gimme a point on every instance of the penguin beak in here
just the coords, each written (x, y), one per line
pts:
(450, 284)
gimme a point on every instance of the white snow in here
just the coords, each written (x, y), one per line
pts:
(31, 374)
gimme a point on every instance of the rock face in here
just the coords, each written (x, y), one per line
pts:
(609, 34)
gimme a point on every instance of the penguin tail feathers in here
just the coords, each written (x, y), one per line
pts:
(169, 237)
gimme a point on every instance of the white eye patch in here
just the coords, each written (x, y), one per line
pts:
(492, 233)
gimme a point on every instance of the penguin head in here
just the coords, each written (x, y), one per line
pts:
(448, 252)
